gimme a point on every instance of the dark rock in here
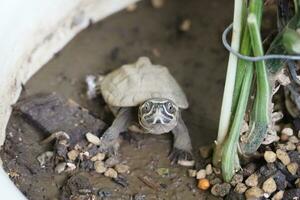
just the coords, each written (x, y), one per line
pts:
(121, 180)
(280, 180)
(249, 169)
(294, 156)
(104, 193)
(235, 196)
(139, 196)
(86, 165)
(52, 113)
(74, 185)
(289, 177)
(291, 194)
(266, 171)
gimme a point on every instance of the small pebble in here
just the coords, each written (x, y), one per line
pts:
(112, 161)
(70, 167)
(163, 171)
(157, 3)
(278, 195)
(131, 7)
(289, 146)
(283, 156)
(185, 25)
(93, 138)
(240, 188)
(298, 148)
(44, 158)
(292, 168)
(73, 154)
(99, 167)
(237, 178)
(221, 189)
(254, 193)
(287, 131)
(110, 172)
(252, 180)
(192, 173)
(293, 139)
(269, 186)
(208, 169)
(121, 168)
(206, 151)
(60, 167)
(98, 157)
(297, 183)
(201, 174)
(270, 156)
(215, 181)
(203, 184)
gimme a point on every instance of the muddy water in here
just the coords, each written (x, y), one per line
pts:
(196, 59)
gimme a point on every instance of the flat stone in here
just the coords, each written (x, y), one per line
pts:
(110, 172)
(121, 168)
(270, 156)
(269, 186)
(201, 174)
(254, 193)
(278, 195)
(240, 188)
(292, 168)
(98, 157)
(99, 167)
(51, 113)
(283, 156)
(93, 138)
(252, 180)
(208, 169)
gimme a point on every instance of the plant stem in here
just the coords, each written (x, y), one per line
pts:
(230, 79)
(260, 114)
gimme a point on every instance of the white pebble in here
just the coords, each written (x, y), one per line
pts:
(185, 25)
(208, 169)
(240, 188)
(98, 157)
(110, 172)
(283, 156)
(269, 186)
(278, 195)
(254, 193)
(93, 138)
(99, 167)
(252, 180)
(60, 167)
(287, 131)
(121, 168)
(44, 158)
(294, 139)
(70, 167)
(270, 156)
(192, 173)
(292, 168)
(201, 174)
(73, 154)
(157, 3)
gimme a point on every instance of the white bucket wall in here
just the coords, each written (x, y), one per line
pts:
(32, 32)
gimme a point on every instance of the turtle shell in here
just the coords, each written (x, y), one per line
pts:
(133, 84)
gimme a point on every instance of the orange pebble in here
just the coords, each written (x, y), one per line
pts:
(203, 184)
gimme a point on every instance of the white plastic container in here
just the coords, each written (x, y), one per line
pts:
(32, 31)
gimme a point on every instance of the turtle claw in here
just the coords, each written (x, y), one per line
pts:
(181, 157)
(109, 147)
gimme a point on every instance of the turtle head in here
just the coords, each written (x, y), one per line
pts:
(158, 115)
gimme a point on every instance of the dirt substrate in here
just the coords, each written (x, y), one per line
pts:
(197, 60)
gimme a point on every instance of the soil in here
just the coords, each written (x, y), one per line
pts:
(197, 60)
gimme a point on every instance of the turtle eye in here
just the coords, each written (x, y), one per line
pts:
(170, 108)
(147, 107)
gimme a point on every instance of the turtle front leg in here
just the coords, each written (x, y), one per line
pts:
(110, 138)
(182, 148)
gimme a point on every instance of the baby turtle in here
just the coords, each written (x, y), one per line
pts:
(148, 94)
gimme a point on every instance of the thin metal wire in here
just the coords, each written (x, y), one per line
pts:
(254, 58)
